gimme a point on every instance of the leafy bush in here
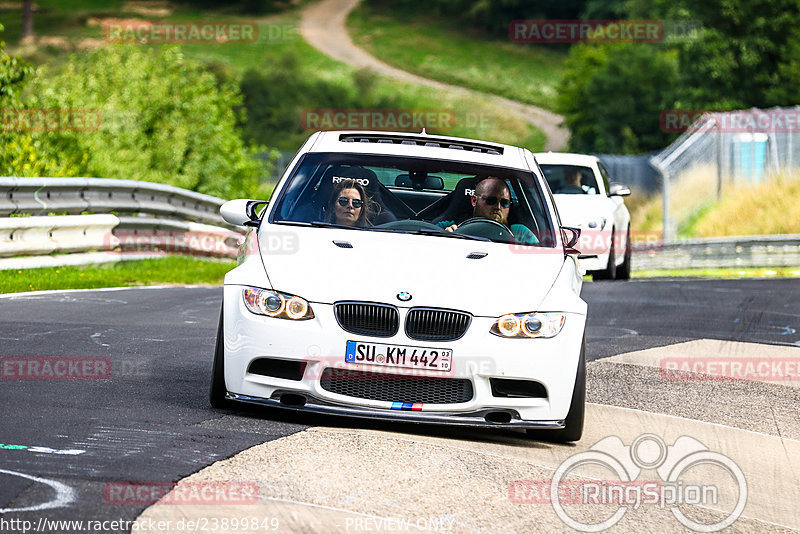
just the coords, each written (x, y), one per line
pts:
(164, 119)
(21, 153)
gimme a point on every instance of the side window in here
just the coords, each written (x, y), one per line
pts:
(604, 174)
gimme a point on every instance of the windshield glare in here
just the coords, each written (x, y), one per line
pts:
(570, 179)
(416, 195)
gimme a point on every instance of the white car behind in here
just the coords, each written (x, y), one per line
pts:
(596, 207)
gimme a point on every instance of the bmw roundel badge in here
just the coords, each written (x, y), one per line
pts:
(405, 296)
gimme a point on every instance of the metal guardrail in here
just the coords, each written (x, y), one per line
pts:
(128, 219)
(73, 196)
(153, 219)
(735, 251)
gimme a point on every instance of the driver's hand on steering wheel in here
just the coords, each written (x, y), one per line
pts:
(451, 228)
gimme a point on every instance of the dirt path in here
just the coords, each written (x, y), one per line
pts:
(323, 25)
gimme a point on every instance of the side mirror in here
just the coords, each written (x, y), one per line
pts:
(570, 236)
(242, 212)
(618, 190)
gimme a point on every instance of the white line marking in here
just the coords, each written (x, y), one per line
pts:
(64, 494)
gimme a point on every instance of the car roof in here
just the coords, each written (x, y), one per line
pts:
(565, 158)
(420, 145)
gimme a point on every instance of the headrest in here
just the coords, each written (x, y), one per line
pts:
(459, 206)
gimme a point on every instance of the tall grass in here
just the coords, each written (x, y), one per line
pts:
(771, 207)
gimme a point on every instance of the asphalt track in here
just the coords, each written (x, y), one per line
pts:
(150, 420)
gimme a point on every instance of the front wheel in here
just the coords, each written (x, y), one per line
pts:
(610, 272)
(218, 389)
(624, 269)
(573, 424)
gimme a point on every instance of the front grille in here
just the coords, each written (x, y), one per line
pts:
(367, 319)
(396, 388)
(430, 324)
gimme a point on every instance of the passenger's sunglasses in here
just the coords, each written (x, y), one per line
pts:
(343, 202)
(491, 201)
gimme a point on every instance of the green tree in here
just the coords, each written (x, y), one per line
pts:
(164, 119)
(745, 55)
(21, 153)
(612, 97)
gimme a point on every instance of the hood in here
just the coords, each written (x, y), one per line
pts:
(435, 270)
(578, 210)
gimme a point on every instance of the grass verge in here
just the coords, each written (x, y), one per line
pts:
(167, 270)
(769, 207)
(727, 273)
(441, 49)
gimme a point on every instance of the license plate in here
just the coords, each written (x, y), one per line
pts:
(398, 356)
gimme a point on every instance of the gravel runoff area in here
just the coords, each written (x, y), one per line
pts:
(360, 479)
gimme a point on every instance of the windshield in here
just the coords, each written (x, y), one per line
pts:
(570, 179)
(416, 195)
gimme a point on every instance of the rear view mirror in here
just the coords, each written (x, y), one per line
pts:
(570, 237)
(618, 190)
(242, 212)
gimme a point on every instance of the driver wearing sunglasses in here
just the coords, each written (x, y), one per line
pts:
(492, 200)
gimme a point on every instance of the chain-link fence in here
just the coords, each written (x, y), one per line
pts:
(718, 150)
(634, 171)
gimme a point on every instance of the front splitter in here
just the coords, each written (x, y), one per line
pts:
(470, 419)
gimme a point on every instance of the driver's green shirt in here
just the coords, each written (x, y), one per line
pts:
(522, 234)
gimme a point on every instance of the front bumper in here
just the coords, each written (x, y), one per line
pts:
(481, 418)
(593, 262)
(478, 357)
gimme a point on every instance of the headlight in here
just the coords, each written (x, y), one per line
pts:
(600, 221)
(529, 325)
(276, 304)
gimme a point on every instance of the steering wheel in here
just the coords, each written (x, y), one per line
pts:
(482, 227)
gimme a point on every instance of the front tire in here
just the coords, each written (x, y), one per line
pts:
(573, 423)
(610, 272)
(624, 269)
(218, 389)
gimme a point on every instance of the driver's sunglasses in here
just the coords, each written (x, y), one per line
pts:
(343, 202)
(491, 201)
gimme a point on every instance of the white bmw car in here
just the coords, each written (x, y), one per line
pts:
(587, 199)
(407, 277)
